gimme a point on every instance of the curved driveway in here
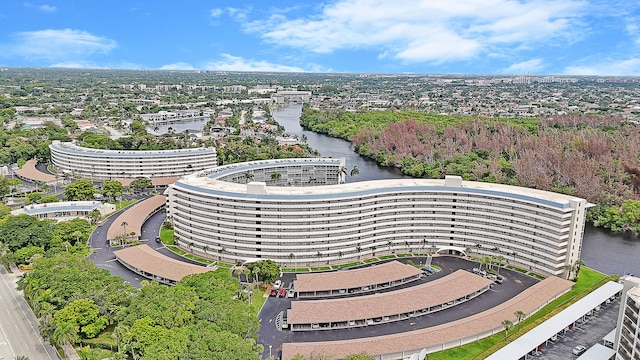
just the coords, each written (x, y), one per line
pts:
(103, 255)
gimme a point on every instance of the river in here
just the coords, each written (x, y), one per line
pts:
(602, 250)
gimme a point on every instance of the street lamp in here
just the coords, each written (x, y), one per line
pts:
(269, 351)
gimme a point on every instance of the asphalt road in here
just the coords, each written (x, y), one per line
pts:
(18, 325)
(103, 255)
(514, 283)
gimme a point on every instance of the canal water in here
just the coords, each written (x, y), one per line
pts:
(602, 250)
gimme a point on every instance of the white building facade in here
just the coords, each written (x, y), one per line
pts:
(100, 164)
(241, 214)
(628, 329)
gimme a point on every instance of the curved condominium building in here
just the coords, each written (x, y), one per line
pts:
(298, 213)
(117, 164)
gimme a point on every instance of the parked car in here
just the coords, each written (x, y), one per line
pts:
(579, 350)
(291, 293)
(282, 293)
(277, 284)
(274, 292)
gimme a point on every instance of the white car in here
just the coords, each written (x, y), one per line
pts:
(579, 350)
(277, 284)
(291, 293)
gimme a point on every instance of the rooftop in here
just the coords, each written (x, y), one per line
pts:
(143, 257)
(376, 274)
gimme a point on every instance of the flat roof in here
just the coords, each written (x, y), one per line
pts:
(29, 171)
(135, 216)
(436, 292)
(144, 258)
(61, 206)
(529, 300)
(71, 148)
(611, 336)
(538, 335)
(597, 352)
(214, 186)
(349, 279)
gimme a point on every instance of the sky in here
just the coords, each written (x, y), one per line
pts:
(516, 37)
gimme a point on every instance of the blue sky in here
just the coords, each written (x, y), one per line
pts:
(577, 37)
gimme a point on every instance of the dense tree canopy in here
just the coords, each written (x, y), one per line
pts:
(24, 230)
(81, 189)
(593, 157)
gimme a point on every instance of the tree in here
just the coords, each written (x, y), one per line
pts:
(360, 356)
(275, 176)
(66, 333)
(267, 270)
(355, 171)
(507, 324)
(520, 315)
(81, 189)
(111, 188)
(24, 230)
(248, 176)
(83, 313)
(141, 183)
(124, 225)
(342, 172)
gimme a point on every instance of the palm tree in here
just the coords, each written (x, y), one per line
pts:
(66, 333)
(520, 316)
(500, 260)
(248, 176)
(358, 249)
(275, 176)
(389, 243)
(342, 172)
(291, 257)
(354, 171)
(373, 250)
(256, 271)
(119, 332)
(220, 252)
(507, 325)
(124, 225)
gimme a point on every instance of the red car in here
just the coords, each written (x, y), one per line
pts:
(282, 293)
(274, 292)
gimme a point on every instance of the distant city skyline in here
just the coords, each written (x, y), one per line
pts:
(510, 37)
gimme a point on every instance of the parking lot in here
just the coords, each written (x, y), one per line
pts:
(513, 284)
(587, 333)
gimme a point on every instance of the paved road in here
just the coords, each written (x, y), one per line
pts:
(513, 284)
(103, 255)
(18, 325)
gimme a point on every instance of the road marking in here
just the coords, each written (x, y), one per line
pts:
(37, 333)
(112, 260)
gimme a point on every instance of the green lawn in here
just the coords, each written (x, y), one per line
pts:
(588, 281)
(122, 204)
(166, 236)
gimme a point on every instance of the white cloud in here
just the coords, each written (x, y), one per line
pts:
(215, 13)
(43, 7)
(425, 30)
(236, 63)
(56, 44)
(611, 67)
(524, 67)
(178, 66)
